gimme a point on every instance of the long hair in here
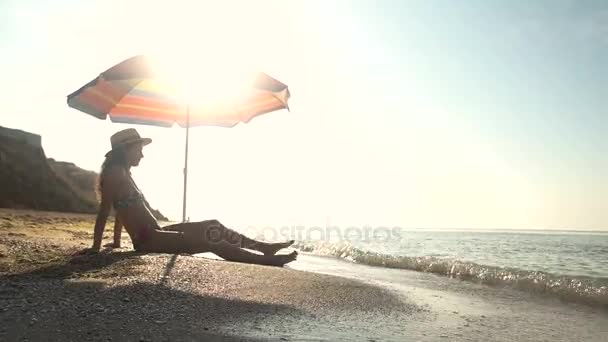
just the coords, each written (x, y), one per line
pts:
(116, 158)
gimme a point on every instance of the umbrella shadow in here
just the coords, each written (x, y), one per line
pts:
(170, 264)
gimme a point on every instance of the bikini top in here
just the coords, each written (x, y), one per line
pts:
(128, 201)
(135, 197)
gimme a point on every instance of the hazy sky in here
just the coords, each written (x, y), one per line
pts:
(442, 114)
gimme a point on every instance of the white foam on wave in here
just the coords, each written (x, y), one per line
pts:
(586, 290)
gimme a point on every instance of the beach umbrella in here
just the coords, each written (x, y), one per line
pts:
(134, 92)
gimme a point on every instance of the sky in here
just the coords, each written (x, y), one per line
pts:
(417, 114)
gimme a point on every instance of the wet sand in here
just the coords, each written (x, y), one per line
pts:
(458, 310)
(121, 295)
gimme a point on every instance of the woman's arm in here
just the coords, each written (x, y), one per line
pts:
(100, 224)
(112, 181)
(117, 232)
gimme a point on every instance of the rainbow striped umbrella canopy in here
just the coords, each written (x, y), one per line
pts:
(130, 92)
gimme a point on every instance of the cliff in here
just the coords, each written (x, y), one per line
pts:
(30, 180)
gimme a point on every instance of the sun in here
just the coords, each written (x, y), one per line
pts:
(202, 80)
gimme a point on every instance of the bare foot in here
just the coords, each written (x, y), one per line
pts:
(273, 248)
(282, 259)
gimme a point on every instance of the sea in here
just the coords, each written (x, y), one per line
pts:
(462, 285)
(570, 265)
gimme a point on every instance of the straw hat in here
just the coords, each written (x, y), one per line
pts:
(127, 137)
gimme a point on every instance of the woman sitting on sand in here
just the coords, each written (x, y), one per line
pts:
(118, 189)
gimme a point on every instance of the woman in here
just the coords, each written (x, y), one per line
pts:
(118, 189)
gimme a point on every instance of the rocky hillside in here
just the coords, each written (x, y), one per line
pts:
(81, 181)
(28, 180)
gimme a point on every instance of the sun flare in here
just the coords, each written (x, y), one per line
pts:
(196, 81)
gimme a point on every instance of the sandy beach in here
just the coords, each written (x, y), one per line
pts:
(121, 295)
(46, 295)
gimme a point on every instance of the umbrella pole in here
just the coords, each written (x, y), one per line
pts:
(186, 162)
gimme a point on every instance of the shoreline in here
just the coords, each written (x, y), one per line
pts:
(583, 289)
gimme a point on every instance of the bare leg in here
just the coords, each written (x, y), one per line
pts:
(243, 241)
(213, 231)
(179, 242)
(231, 252)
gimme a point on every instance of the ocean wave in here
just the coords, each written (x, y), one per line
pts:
(587, 290)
